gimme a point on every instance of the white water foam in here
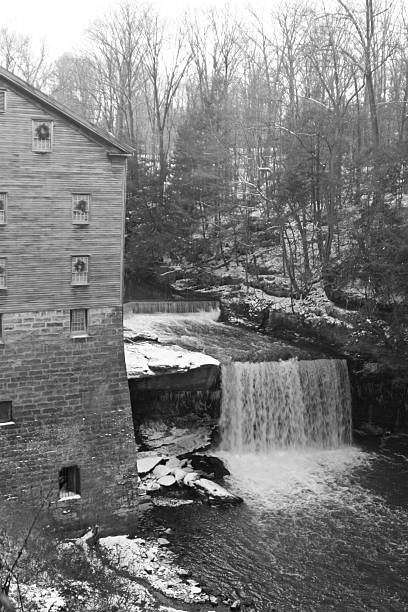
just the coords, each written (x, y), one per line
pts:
(289, 479)
(286, 431)
(171, 307)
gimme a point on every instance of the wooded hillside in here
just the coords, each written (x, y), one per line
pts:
(269, 142)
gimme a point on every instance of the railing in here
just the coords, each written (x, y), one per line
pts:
(79, 217)
(79, 278)
(41, 144)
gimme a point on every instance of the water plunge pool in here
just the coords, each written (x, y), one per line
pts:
(324, 526)
(319, 531)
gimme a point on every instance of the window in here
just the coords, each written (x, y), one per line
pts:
(3, 101)
(42, 135)
(5, 412)
(69, 482)
(3, 208)
(79, 321)
(80, 208)
(3, 273)
(79, 270)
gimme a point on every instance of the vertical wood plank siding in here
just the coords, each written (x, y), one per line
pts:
(39, 237)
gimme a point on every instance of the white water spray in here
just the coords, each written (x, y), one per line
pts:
(172, 307)
(287, 404)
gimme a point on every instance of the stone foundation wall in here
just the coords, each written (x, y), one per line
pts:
(70, 406)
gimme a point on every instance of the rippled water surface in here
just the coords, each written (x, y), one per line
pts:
(202, 332)
(319, 530)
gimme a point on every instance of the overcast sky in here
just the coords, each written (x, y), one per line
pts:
(62, 22)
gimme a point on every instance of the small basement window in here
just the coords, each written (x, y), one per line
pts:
(69, 482)
(79, 270)
(3, 208)
(3, 101)
(79, 321)
(42, 135)
(3, 273)
(6, 415)
(80, 208)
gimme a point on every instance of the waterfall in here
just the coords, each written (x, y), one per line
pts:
(171, 307)
(285, 404)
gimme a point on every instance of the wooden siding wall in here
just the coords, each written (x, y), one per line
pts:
(39, 237)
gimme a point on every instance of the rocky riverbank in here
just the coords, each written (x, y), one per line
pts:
(113, 574)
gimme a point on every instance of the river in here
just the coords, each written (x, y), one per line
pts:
(319, 531)
(324, 523)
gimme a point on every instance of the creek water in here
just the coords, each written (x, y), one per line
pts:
(318, 531)
(201, 331)
(324, 523)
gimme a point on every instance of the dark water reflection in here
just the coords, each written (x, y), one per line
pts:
(325, 534)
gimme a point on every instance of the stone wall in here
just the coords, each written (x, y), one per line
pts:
(70, 406)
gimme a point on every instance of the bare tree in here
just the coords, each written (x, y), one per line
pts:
(166, 59)
(19, 55)
(116, 54)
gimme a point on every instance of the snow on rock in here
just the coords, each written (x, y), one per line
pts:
(40, 598)
(137, 556)
(214, 492)
(146, 464)
(150, 347)
(161, 470)
(146, 359)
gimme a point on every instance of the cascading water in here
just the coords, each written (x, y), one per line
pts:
(287, 404)
(171, 307)
(316, 531)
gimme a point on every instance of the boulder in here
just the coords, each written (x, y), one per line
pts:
(189, 479)
(147, 464)
(167, 481)
(173, 462)
(179, 474)
(209, 465)
(152, 486)
(162, 542)
(161, 470)
(214, 493)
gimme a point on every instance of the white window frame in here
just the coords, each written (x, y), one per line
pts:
(78, 217)
(79, 277)
(3, 275)
(78, 322)
(3, 212)
(3, 95)
(42, 145)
